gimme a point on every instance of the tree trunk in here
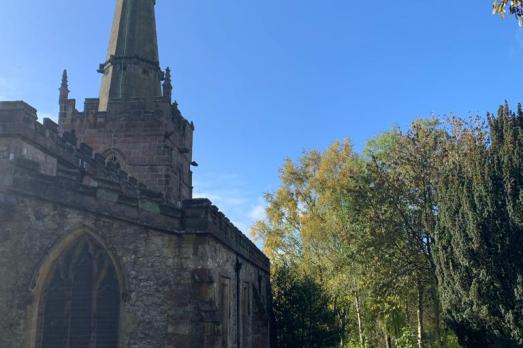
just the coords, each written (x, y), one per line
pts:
(388, 341)
(358, 314)
(344, 323)
(437, 317)
(420, 316)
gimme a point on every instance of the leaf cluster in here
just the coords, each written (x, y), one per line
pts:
(515, 8)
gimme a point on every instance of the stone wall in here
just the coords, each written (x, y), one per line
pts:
(153, 146)
(188, 277)
(171, 283)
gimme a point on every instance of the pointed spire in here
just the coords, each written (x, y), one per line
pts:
(64, 88)
(167, 85)
(132, 69)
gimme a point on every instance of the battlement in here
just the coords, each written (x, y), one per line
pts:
(201, 215)
(153, 144)
(134, 108)
(36, 161)
(19, 120)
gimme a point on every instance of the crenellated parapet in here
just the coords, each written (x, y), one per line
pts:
(152, 144)
(36, 160)
(118, 109)
(200, 215)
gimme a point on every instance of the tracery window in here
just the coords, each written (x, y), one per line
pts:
(81, 303)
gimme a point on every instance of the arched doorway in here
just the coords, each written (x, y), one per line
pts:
(80, 304)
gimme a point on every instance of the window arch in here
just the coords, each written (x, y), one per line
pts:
(116, 157)
(80, 305)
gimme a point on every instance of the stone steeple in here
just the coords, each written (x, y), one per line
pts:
(132, 68)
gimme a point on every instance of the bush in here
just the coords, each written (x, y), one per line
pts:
(407, 339)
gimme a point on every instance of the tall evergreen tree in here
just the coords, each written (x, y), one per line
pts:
(303, 314)
(479, 235)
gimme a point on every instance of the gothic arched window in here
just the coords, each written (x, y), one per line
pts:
(81, 303)
(114, 159)
(114, 156)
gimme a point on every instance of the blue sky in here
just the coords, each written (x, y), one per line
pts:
(266, 80)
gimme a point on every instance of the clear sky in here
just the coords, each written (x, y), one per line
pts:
(266, 80)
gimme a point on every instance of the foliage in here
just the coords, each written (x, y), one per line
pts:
(515, 8)
(306, 223)
(369, 246)
(356, 344)
(480, 232)
(303, 315)
(403, 172)
(451, 341)
(361, 227)
(407, 339)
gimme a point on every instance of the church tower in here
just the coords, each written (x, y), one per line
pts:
(101, 242)
(134, 123)
(132, 68)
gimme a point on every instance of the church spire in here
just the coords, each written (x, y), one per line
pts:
(132, 69)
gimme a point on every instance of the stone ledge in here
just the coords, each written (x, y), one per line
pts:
(201, 215)
(19, 120)
(84, 180)
(67, 193)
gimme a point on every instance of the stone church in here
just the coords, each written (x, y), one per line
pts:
(101, 242)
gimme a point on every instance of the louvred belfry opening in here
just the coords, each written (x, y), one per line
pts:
(81, 303)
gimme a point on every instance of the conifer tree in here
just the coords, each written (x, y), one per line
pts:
(479, 235)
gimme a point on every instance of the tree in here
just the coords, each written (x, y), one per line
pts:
(361, 228)
(479, 235)
(302, 310)
(403, 172)
(307, 223)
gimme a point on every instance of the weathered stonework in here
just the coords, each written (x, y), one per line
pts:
(153, 146)
(101, 243)
(171, 261)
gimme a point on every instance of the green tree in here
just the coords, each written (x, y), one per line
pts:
(303, 314)
(480, 232)
(403, 172)
(362, 228)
